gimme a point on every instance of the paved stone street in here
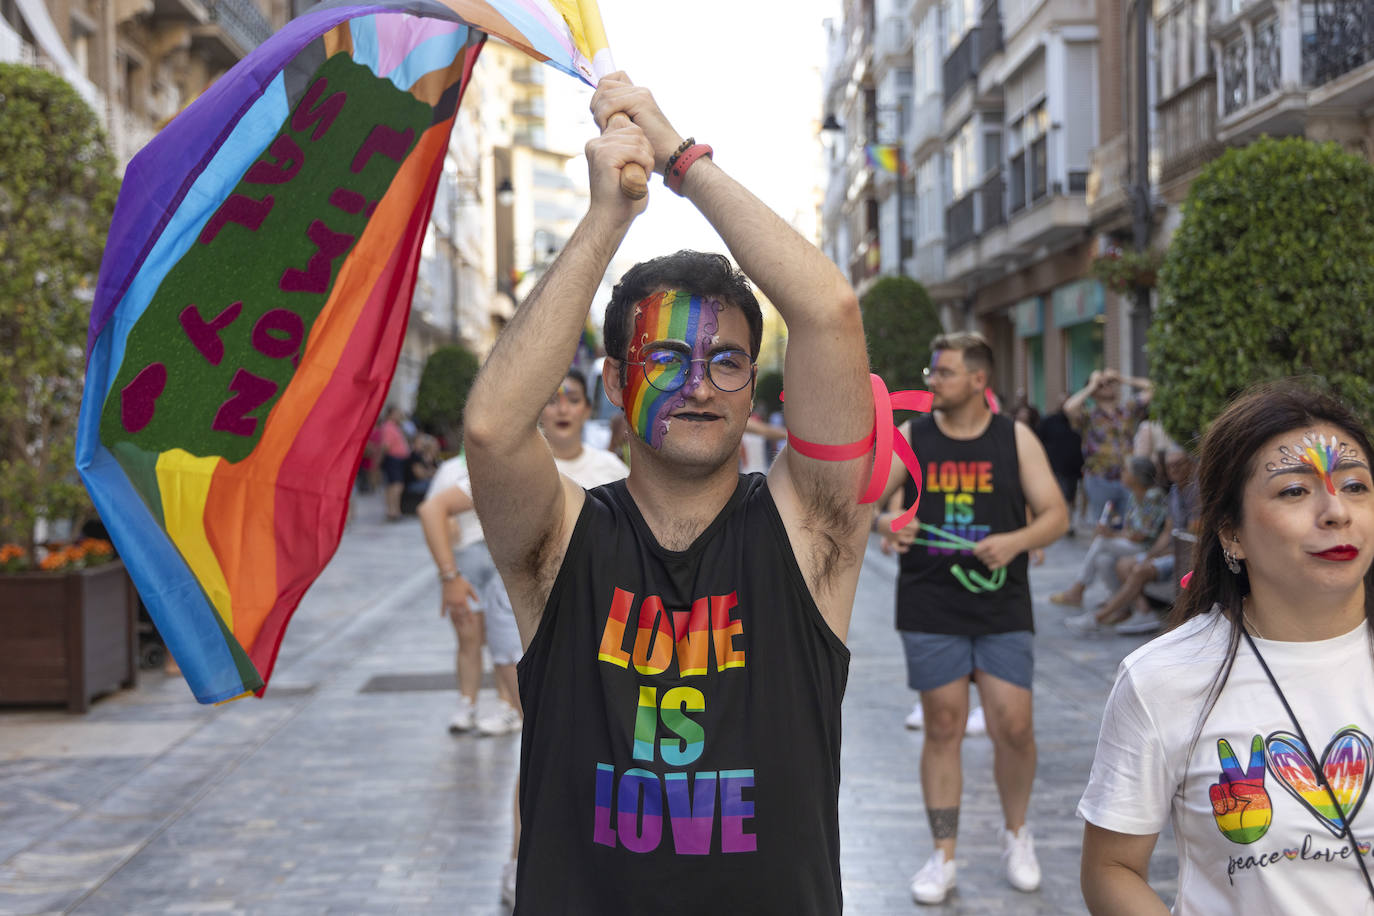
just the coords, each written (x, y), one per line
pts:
(341, 791)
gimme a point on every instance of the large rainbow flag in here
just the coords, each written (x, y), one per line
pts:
(252, 302)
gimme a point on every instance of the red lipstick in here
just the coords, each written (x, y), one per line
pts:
(1342, 554)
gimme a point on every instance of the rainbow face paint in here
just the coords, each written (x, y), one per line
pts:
(1322, 454)
(670, 315)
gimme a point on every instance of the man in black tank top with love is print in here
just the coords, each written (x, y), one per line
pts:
(683, 629)
(963, 600)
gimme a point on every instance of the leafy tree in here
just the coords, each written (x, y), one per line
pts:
(767, 390)
(1270, 274)
(899, 323)
(57, 193)
(444, 385)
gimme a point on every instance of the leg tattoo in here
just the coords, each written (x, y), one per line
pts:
(944, 822)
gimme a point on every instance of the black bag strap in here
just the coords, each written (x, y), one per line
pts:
(1320, 773)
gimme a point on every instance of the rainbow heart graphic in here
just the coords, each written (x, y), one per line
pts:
(1290, 854)
(1363, 848)
(1345, 763)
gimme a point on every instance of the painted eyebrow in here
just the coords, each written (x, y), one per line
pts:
(1349, 461)
(679, 346)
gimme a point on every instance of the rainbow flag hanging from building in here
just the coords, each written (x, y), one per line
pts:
(884, 157)
(252, 303)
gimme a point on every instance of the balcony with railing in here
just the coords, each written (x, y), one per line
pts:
(530, 107)
(971, 55)
(894, 38)
(235, 28)
(990, 34)
(1188, 129)
(1276, 72)
(960, 222)
(1342, 40)
(992, 208)
(961, 66)
(927, 124)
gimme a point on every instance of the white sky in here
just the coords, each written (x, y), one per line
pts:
(741, 75)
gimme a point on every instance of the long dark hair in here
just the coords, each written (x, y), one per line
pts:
(1229, 454)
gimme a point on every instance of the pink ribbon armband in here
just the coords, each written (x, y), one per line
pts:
(886, 440)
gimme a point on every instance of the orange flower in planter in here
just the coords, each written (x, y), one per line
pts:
(13, 558)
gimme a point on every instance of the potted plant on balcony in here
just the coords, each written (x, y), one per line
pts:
(1124, 269)
(66, 621)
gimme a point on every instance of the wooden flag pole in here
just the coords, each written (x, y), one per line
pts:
(634, 183)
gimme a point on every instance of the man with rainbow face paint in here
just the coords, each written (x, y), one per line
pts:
(683, 629)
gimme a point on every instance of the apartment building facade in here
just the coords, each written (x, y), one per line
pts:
(1059, 142)
(136, 62)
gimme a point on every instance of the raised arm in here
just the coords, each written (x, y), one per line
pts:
(1073, 405)
(829, 399)
(527, 508)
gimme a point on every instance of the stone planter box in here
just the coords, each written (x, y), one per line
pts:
(65, 638)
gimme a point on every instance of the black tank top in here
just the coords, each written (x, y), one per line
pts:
(681, 749)
(972, 488)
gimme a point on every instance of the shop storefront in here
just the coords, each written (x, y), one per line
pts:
(1029, 318)
(1079, 314)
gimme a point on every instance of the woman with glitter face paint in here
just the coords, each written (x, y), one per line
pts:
(1249, 724)
(684, 659)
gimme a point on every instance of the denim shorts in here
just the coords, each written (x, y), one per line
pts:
(1163, 566)
(503, 637)
(936, 659)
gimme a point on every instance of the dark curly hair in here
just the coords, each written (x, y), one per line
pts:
(696, 272)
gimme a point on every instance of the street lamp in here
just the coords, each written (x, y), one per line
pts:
(505, 193)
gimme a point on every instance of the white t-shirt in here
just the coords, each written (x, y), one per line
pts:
(591, 468)
(1250, 859)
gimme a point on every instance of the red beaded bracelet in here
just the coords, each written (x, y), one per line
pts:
(678, 170)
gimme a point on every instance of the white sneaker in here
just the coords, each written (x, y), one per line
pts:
(500, 723)
(934, 881)
(1018, 856)
(1140, 623)
(465, 719)
(1084, 624)
(916, 719)
(977, 725)
(508, 883)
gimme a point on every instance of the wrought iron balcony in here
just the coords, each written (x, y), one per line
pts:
(241, 21)
(1343, 39)
(1188, 128)
(965, 62)
(959, 223)
(991, 202)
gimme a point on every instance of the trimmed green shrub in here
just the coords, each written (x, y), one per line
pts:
(57, 193)
(444, 385)
(899, 323)
(1270, 274)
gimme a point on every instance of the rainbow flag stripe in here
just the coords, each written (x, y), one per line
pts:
(251, 307)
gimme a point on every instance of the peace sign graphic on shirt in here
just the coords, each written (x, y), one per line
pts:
(1240, 803)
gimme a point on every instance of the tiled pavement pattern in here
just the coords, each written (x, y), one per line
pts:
(341, 791)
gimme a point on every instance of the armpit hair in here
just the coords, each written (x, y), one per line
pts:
(829, 520)
(539, 564)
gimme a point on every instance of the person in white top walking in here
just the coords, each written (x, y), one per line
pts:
(473, 595)
(1250, 725)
